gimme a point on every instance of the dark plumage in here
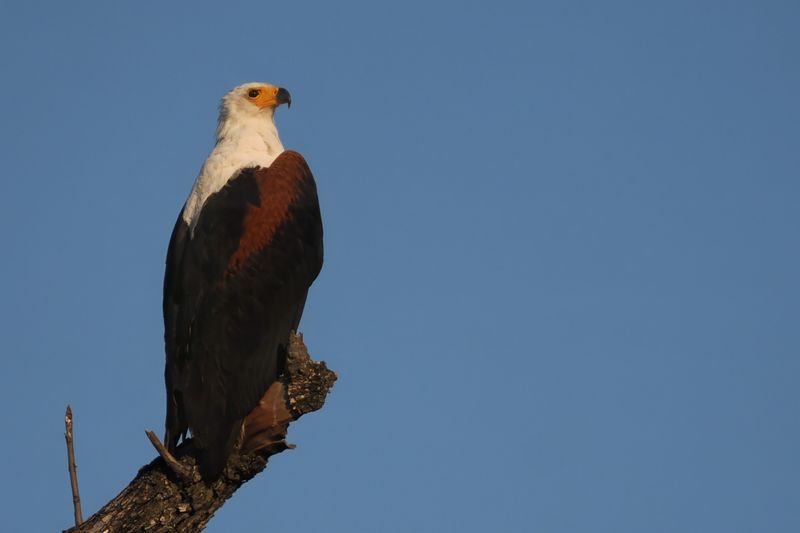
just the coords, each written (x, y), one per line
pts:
(233, 291)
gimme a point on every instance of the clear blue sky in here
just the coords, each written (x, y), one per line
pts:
(562, 268)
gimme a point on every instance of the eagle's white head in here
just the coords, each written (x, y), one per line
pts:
(251, 105)
(246, 137)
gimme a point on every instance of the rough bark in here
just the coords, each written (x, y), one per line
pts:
(158, 500)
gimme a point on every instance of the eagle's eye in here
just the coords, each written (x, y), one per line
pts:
(253, 93)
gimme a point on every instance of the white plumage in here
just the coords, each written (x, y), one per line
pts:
(246, 137)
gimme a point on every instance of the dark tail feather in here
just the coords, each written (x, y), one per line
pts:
(175, 425)
(214, 458)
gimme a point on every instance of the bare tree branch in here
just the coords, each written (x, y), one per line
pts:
(73, 469)
(161, 499)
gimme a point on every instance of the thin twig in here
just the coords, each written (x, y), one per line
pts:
(172, 463)
(73, 470)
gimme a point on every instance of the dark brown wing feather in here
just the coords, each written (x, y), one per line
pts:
(233, 292)
(175, 424)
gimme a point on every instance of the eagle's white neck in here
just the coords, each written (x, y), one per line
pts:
(243, 140)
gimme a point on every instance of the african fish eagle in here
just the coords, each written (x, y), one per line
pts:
(244, 252)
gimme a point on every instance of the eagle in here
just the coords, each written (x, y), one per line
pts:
(244, 251)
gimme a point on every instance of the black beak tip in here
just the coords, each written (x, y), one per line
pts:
(284, 97)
